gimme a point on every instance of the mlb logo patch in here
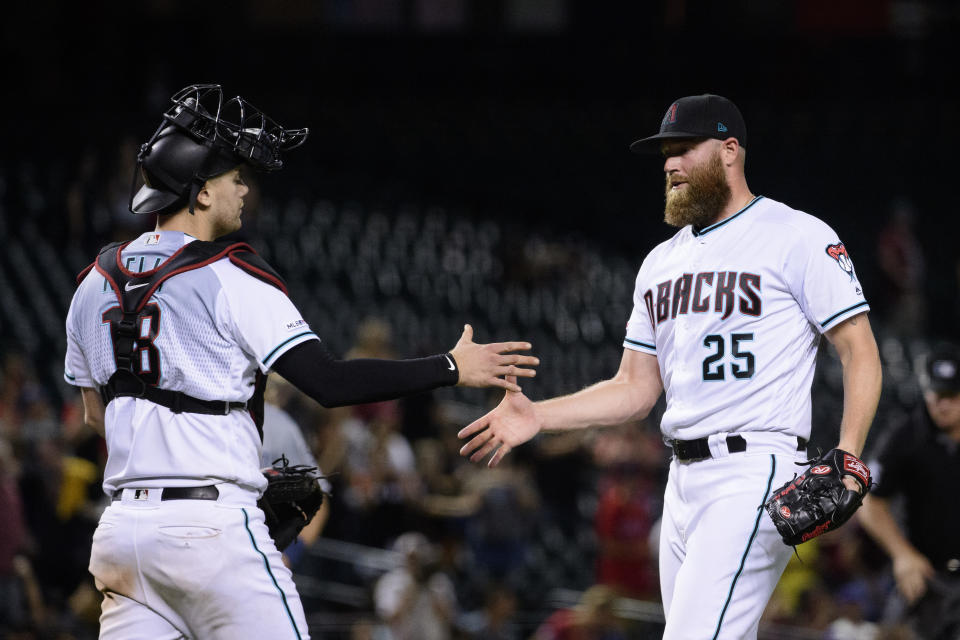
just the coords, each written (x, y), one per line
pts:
(153, 238)
(292, 326)
(141, 494)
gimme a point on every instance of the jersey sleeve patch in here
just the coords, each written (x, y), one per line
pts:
(839, 253)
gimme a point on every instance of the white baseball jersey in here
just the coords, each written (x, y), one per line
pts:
(210, 331)
(734, 315)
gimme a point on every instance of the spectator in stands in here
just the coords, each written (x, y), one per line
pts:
(12, 541)
(633, 460)
(903, 268)
(593, 618)
(495, 621)
(920, 461)
(415, 601)
(629, 505)
(382, 482)
(500, 530)
(15, 377)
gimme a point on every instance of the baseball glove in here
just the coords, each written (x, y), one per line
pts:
(817, 501)
(292, 498)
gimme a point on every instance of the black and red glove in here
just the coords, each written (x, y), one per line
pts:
(817, 501)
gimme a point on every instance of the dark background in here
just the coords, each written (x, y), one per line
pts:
(522, 109)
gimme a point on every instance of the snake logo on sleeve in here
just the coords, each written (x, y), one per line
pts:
(839, 253)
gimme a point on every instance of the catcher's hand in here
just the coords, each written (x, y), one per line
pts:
(292, 498)
(491, 365)
(817, 501)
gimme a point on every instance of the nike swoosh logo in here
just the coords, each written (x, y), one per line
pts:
(452, 367)
(131, 287)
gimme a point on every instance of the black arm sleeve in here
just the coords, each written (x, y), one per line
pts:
(333, 383)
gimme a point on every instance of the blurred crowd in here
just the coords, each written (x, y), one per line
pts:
(477, 553)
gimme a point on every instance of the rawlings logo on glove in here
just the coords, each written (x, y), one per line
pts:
(817, 501)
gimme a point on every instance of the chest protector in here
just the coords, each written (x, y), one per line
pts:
(133, 290)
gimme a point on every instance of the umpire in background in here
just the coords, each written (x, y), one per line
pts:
(920, 461)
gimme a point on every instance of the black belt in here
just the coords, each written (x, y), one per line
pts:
(699, 449)
(131, 386)
(209, 492)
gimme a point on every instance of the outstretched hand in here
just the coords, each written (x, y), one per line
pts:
(484, 365)
(513, 422)
(912, 570)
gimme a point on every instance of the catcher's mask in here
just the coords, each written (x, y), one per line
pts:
(202, 136)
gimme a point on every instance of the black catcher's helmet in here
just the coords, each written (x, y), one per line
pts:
(202, 136)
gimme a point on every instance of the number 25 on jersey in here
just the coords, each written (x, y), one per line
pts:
(742, 365)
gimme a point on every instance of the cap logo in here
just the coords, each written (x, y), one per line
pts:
(672, 113)
(722, 128)
(944, 369)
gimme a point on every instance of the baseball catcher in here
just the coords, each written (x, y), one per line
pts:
(817, 501)
(292, 498)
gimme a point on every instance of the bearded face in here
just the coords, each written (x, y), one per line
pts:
(699, 197)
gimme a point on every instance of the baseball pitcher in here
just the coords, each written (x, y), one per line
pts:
(726, 321)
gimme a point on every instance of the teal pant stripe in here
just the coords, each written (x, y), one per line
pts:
(743, 560)
(266, 564)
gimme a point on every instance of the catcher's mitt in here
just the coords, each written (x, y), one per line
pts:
(292, 498)
(817, 501)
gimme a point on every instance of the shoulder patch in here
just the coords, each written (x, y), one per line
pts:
(839, 253)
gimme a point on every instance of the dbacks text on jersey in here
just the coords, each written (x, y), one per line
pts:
(717, 291)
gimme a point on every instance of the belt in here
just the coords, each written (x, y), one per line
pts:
(176, 401)
(699, 449)
(209, 492)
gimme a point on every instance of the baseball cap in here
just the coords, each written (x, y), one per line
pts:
(941, 370)
(703, 116)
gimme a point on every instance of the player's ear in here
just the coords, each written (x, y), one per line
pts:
(729, 150)
(204, 198)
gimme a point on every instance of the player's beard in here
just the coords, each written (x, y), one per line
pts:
(702, 200)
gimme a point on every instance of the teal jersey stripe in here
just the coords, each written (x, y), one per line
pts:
(266, 564)
(753, 536)
(707, 230)
(641, 344)
(840, 313)
(266, 360)
(69, 377)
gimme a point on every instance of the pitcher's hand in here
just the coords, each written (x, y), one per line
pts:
(510, 424)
